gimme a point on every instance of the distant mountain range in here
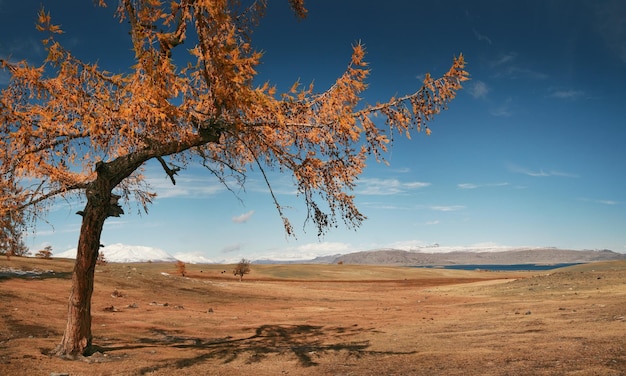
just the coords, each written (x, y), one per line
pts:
(432, 255)
(473, 257)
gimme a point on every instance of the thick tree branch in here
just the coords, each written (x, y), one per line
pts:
(123, 166)
(171, 172)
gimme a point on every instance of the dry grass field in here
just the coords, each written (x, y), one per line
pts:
(319, 320)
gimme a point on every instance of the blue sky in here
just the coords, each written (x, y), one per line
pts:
(531, 153)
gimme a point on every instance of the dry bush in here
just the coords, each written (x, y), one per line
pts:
(242, 268)
(180, 268)
(45, 253)
(101, 259)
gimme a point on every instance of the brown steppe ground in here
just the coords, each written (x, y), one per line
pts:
(320, 320)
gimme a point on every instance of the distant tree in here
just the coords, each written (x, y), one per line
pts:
(242, 268)
(14, 247)
(101, 259)
(45, 253)
(11, 219)
(180, 268)
(69, 127)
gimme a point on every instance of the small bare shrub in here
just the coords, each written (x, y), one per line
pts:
(101, 261)
(180, 268)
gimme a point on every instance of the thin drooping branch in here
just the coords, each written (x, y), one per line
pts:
(286, 224)
(53, 193)
(222, 179)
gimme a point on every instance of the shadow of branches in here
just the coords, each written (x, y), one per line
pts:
(306, 342)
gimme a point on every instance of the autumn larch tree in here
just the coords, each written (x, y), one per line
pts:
(76, 129)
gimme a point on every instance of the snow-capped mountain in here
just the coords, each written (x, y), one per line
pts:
(193, 258)
(124, 253)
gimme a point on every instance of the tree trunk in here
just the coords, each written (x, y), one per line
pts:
(102, 203)
(77, 337)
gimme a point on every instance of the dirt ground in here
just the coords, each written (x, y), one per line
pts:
(319, 320)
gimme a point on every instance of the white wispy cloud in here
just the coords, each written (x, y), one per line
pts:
(186, 186)
(116, 223)
(566, 94)
(479, 89)
(507, 66)
(503, 110)
(504, 59)
(475, 186)
(243, 218)
(482, 37)
(541, 172)
(281, 184)
(602, 202)
(401, 170)
(524, 72)
(381, 205)
(406, 245)
(232, 248)
(325, 247)
(447, 208)
(73, 228)
(415, 185)
(375, 186)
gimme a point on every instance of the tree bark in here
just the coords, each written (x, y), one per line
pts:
(77, 339)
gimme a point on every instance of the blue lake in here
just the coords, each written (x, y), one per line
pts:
(511, 267)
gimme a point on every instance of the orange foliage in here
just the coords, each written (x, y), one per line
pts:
(60, 119)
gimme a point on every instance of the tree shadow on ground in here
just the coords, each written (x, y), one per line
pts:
(6, 274)
(16, 328)
(306, 342)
